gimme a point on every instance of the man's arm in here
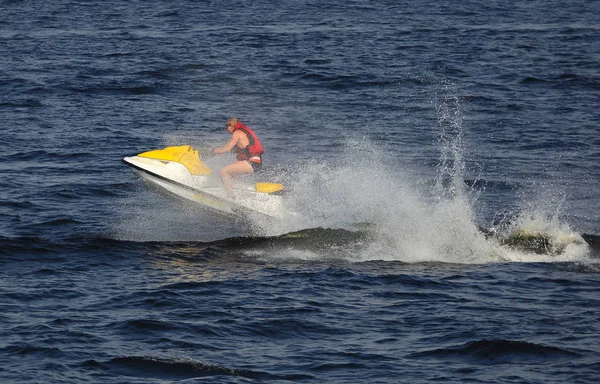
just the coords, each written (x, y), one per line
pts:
(235, 138)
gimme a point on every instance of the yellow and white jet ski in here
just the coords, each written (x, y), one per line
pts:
(180, 171)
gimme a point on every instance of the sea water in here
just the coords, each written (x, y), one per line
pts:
(441, 160)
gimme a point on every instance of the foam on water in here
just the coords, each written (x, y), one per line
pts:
(413, 223)
(149, 216)
(408, 224)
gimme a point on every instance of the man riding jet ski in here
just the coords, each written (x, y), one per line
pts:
(249, 153)
(180, 171)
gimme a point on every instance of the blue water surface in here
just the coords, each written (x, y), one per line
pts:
(414, 137)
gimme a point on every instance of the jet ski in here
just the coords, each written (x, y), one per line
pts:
(180, 171)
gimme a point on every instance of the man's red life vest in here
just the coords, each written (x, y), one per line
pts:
(254, 149)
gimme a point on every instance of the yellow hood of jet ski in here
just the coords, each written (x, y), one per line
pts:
(183, 154)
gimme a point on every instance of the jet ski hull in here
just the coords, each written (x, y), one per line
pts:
(206, 189)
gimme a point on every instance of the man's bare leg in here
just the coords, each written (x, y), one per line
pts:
(233, 170)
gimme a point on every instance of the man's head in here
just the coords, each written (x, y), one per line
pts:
(231, 123)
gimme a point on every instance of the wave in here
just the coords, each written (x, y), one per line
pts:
(40, 154)
(27, 103)
(492, 352)
(141, 325)
(562, 80)
(27, 349)
(325, 244)
(178, 369)
(118, 89)
(344, 81)
(172, 369)
(289, 328)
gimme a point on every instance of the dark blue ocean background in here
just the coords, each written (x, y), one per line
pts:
(415, 138)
